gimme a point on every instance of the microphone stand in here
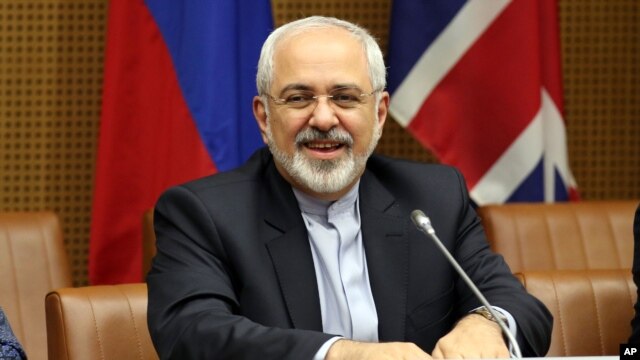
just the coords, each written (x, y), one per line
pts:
(423, 224)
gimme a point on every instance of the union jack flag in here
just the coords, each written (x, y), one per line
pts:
(479, 83)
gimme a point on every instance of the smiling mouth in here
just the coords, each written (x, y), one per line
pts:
(323, 146)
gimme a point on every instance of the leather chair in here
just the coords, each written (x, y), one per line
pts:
(576, 235)
(33, 261)
(591, 309)
(99, 322)
(148, 241)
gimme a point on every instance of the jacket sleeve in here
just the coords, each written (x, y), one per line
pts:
(493, 277)
(10, 348)
(193, 310)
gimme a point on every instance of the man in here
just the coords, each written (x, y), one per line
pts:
(10, 348)
(308, 251)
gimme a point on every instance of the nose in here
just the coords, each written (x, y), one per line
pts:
(323, 117)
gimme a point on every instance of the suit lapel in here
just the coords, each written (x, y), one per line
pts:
(384, 230)
(287, 242)
(384, 233)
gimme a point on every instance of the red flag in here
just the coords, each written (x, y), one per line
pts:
(147, 142)
(178, 85)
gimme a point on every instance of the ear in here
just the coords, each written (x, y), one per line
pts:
(260, 113)
(383, 108)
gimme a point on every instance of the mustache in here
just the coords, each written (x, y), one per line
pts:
(312, 134)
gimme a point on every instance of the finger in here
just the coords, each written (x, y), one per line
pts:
(437, 352)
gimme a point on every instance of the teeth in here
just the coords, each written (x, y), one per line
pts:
(322, 146)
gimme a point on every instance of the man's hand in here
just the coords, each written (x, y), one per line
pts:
(347, 349)
(473, 337)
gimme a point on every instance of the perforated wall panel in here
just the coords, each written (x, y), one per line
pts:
(601, 67)
(50, 80)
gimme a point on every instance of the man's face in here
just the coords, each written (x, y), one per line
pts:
(321, 148)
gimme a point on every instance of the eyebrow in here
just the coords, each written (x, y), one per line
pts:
(304, 87)
(295, 86)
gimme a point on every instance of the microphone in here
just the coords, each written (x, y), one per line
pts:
(423, 224)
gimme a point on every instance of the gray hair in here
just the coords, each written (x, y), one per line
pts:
(375, 60)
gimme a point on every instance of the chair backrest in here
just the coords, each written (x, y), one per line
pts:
(592, 309)
(99, 322)
(575, 235)
(33, 261)
(148, 241)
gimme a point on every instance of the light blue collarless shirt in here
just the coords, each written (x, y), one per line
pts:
(346, 301)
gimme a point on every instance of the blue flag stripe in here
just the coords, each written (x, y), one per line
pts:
(215, 46)
(421, 23)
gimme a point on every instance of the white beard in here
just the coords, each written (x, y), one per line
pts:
(323, 176)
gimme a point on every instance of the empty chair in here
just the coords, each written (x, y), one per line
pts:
(577, 235)
(592, 309)
(33, 261)
(99, 322)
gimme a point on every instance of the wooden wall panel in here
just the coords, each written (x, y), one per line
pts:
(51, 54)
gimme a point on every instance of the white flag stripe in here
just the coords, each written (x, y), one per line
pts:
(545, 135)
(555, 149)
(454, 41)
(513, 166)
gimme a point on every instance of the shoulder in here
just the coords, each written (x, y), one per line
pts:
(250, 174)
(417, 185)
(408, 172)
(382, 162)
(251, 171)
(237, 187)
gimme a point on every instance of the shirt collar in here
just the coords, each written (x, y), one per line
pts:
(311, 205)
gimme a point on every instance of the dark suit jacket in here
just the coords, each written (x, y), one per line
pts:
(234, 278)
(635, 323)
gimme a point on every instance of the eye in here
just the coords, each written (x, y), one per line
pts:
(297, 99)
(346, 98)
